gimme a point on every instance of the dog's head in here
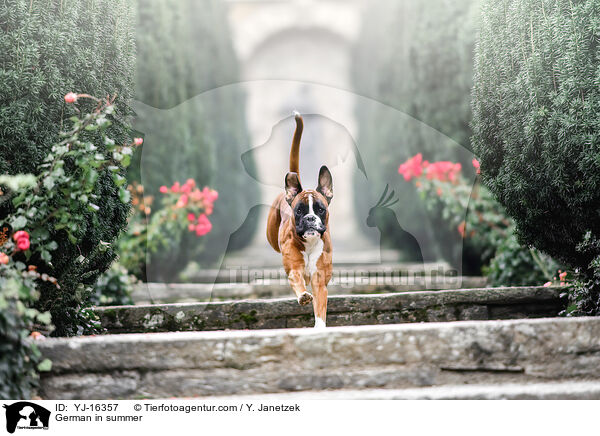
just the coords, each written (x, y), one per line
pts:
(310, 213)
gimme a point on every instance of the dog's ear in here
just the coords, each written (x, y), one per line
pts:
(325, 184)
(292, 186)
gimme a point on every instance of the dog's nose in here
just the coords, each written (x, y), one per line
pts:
(310, 218)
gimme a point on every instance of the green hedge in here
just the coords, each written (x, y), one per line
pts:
(416, 56)
(536, 104)
(184, 50)
(49, 48)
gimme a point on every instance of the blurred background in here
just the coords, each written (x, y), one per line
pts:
(377, 82)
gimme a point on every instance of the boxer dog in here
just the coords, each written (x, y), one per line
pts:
(297, 227)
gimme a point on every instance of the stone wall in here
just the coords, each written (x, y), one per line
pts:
(453, 305)
(358, 357)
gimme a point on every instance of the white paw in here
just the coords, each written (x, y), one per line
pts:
(319, 323)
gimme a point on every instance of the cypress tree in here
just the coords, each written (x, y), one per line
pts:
(536, 105)
(184, 50)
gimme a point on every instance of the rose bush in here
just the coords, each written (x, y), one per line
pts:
(481, 221)
(183, 207)
(56, 205)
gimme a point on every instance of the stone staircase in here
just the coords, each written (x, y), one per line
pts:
(480, 343)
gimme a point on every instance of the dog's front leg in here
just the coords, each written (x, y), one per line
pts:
(296, 279)
(317, 282)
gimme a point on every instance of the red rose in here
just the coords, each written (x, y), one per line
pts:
(23, 244)
(20, 234)
(21, 238)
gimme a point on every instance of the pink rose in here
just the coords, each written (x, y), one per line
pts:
(71, 97)
(138, 141)
(3, 259)
(182, 202)
(562, 276)
(204, 225)
(23, 244)
(163, 189)
(413, 167)
(21, 238)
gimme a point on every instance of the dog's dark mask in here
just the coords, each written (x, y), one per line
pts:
(308, 220)
(309, 207)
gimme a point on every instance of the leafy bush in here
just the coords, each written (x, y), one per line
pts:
(485, 225)
(535, 103)
(184, 50)
(584, 294)
(515, 265)
(423, 67)
(60, 205)
(20, 359)
(49, 48)
(114, 287)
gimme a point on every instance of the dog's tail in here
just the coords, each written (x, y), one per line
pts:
(295, 151)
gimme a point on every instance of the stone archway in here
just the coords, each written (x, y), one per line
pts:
(302, 43)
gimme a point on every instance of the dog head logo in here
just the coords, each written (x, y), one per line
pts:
(26, 415)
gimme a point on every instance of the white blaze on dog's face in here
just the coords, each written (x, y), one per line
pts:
(309, 207)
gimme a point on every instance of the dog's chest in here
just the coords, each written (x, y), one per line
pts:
(312, 252)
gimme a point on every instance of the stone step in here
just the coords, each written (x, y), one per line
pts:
(190, 364)
(145, 293)
(264, 256)
(342, 310)
(245, 274)
(565, 390)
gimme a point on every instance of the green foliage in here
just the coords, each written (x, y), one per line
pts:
(415, 56)
(184, 50)
(49, 48)
(584, 294)
(536, 101)
(515, 265)
(114, 287)
(20, 359)
(60, 207)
